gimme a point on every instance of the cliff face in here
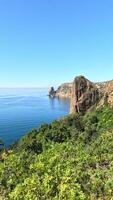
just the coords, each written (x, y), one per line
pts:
(109, 91)
(84, 93)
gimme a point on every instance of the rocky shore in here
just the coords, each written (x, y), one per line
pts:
(84, 94)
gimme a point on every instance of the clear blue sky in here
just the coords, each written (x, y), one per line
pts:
(48, 42)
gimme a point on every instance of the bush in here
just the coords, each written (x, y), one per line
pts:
(68, 159)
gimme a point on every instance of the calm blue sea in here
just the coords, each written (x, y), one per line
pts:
(24, 109)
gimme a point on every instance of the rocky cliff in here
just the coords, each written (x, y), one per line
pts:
(84, 93)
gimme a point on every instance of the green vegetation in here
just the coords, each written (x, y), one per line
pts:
(70, 159)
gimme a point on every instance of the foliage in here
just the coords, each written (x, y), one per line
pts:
(70, 159)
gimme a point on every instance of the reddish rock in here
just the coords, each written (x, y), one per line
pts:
(109, 91)
(84, 95)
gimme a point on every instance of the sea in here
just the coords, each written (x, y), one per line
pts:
(22, 109)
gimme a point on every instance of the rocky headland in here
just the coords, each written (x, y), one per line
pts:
(84, 94)
(63, 91)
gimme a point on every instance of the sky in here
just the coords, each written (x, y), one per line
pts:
(45, 43)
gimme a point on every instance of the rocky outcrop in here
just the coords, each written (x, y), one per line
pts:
(65, 90)
(84, 95)
(109, 91)
(52, 92)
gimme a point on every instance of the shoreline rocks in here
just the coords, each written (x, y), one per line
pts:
(64, 91)
(84, 94)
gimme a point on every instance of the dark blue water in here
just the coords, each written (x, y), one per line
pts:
(24, 109)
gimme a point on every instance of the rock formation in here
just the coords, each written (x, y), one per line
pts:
(52, 92)
(64, 90)
(84, 95)
(109, 91)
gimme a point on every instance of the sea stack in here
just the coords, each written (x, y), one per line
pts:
(52, 92)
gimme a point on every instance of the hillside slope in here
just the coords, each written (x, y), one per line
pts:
(69, 159)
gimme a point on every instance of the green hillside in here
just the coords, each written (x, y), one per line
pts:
(69, 159)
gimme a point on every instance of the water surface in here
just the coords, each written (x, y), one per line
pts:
(24, 109)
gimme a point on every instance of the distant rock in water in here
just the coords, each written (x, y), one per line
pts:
(52, 92)
(63, 91)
